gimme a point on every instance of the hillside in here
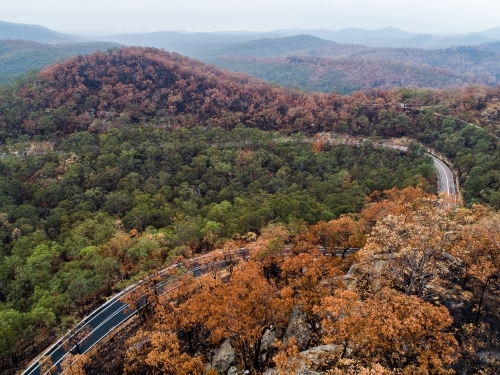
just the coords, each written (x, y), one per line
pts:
(270, 47)
(117, 164)
(318, 65)
(185, 43)
(17, 57)
(9, 30)
(136, 85)
(147, 84)
(346, 75)
(323, 65)
(303, 61)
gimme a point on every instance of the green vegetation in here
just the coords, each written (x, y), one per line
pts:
(316, 64)
(137, 86)
(18, 57)
(293, 72)
(114, 164)
(268, 47)
(9, 30)
(65, 213)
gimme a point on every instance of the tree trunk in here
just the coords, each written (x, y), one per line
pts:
(13, 357)
(344, 251)
(243, 354)
(344, 351)
(483, 290)
(257, 354)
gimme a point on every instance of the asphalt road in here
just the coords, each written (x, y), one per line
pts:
(445, 178)
(114, 312)
(110, 315)
(445, 175)
(100, 323)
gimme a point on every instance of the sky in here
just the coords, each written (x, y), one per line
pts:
(437, 16)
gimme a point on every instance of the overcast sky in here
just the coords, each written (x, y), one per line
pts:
(257, 15)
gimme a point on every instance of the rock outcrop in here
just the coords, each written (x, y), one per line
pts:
(299, 328)
(223, 358)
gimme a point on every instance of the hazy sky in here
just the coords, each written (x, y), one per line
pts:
(258, 15)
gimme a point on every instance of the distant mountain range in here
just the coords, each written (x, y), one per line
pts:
(17, 57)
(35, 33)
(394, 37)
(386, 37)
(316, 64)
(317, 60)
(184, 42)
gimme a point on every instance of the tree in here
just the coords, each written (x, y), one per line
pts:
(242, 310)
(342, 234)
(311, 278)
(140, 299)
(478, 253)
(75, 340)
(46, 365)
(409, 246)
(12, 328)
(74, 364)
(392, 329)
(288, 360)
(159, 353)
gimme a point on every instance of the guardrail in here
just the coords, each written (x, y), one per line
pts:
(95, 328)
(117, 315)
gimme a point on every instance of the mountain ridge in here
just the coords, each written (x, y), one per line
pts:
(37, 33)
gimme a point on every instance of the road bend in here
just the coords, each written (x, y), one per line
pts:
(445, 178)
(446, 181)
(113, 313)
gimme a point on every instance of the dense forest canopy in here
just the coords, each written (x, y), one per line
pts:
(69, 216)
(115, 164)
(318, 65)
(138, 85)
(345, 75)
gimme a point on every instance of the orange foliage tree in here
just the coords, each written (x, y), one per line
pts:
(394, 330)
(159, 353)
(342, 234)
(408, 246)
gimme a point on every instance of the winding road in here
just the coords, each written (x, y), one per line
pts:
(445, 178)
(114, 312)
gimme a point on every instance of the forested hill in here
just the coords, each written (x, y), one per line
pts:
(119, 163)
(145, 84)
(270, 47)
(319, 65)
(9, 30)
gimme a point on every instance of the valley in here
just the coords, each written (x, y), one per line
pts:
(335, 212)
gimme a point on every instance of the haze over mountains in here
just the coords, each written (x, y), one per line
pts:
(386, 37)
(316, 60)
(20, 56)
(9, 30)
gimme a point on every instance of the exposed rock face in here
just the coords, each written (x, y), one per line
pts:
(266, 344)
(300, 371)
(232, 371)
(298, 328)
(321, 355)
(223, 358)
(312, 358)
(359, 274)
